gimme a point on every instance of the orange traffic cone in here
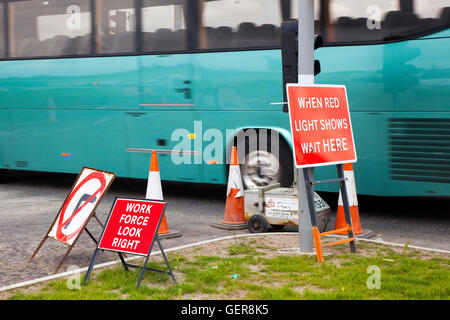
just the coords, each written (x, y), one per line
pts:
(154, 192)
(234, 207)
(353, 204)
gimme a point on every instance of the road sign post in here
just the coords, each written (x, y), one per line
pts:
(306, 77)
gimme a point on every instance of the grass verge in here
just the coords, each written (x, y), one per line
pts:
(255, 268)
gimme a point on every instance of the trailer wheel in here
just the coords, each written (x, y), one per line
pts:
(257, 224)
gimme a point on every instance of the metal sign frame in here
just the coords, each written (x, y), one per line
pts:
(126, 265)
(84, 227)
(309, 186)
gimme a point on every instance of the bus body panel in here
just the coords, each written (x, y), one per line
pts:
(238, 80)
(387, 85)
(64, 140)
(62, 114)
(402, 76)
(77, 83)
(6, 139)
(166, 81)
(391, 167)
(443, 33)
(162, 130)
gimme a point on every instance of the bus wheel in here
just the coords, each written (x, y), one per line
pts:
(264, 167)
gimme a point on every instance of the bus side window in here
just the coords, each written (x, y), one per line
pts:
(163, 26)
(239, 24)
(385, 20)
(43, 28)
(116, 26)
(445, 16)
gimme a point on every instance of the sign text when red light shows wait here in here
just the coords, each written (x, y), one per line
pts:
(320, 125)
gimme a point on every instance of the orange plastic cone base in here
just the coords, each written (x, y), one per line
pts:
(234, 209)
(341, 223)
(163, 226)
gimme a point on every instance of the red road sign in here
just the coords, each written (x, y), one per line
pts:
(320, 125)
(132, 225)
(79, 205)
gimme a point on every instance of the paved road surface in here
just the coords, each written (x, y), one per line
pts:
(29, 203)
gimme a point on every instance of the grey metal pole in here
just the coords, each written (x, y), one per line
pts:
(305, 77)
(306, 42)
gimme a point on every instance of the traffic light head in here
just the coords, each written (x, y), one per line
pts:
(318, 41)
(289, 54)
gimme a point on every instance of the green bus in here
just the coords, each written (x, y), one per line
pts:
(100, 83)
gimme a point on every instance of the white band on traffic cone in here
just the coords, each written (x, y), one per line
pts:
(235, 181)
(154, 190)
(351, 190)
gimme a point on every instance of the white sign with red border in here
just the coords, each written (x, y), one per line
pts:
(80, 204)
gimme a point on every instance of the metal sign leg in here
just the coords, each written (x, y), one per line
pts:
(91, 235)
(64, 258)
(165, 258)
(143, 270)
(304, 213)
(91, 266)
(38, 248)
(124, 264)
(346, 206)
(308, 172)
(98, 220)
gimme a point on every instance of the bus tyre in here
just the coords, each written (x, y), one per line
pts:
(257, 224)
(265, 167)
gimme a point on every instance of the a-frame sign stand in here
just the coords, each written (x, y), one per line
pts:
(316, 234)
(77, 209)
(145, 268)
(70, 246)
(126, 265)
(148, 218)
